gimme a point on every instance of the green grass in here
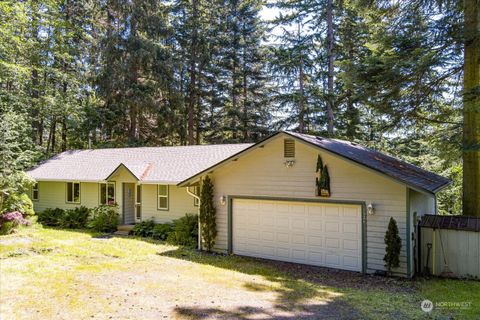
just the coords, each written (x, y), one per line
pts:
(51, 273)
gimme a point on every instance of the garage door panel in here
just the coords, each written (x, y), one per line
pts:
(268, 235)
(332, 243)
(309, 233)
(332, 226)
(283, 237)
(316, 225)
(315, 241)
(351, 245)
(332, 211)
(298, 223)
(332, 260)
(351, 213)
(298, 239)
(350, 227)
(282, 222)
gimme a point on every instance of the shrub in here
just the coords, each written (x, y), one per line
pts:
(18, 202)
(208, 214)
(10, 220)
(75, 218)
(104, 218)
(393, 246)
(161, 231)
(51, 217)
(185, 231)
(144, 228)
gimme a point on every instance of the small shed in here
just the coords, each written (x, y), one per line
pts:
(450, 246)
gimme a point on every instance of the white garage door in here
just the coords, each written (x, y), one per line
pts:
(319, 234)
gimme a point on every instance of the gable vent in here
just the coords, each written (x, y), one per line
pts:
(289, 148)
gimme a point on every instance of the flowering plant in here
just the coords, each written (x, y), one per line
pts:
(10, 220)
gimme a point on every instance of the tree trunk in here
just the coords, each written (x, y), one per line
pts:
(193, 75)
(330, 98)
(64, 134)
(35, 93)
(301, 102)
(245, 96)
(471, 110)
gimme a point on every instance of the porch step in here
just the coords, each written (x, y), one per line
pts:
(125, 227)
(121, 233)
(123, 230)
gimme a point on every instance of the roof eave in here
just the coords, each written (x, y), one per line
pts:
(118, 167)
(196, 176)
(445, 185)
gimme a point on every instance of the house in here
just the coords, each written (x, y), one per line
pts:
(266, 195)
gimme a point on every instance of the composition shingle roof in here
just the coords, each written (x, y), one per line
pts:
(466, 223)
(390, 166)
(149, 164)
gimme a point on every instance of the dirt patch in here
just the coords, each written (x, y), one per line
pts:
(342, 278)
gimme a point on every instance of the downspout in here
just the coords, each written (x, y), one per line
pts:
(199, 226)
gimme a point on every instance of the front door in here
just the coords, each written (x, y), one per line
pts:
(128, 203)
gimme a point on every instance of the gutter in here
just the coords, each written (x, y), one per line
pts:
(199, 226)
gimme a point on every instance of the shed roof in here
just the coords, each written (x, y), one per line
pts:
(466, 223)
(168, 165)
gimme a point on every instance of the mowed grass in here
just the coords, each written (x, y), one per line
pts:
(59, 274)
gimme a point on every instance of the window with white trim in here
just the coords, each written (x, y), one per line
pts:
(107, 193)
(73, 192)
(162, 199)
(35, 192)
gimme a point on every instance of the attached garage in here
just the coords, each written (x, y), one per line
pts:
(313, 233)
(325, 202)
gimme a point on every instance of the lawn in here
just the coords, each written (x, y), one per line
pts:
(58, 274)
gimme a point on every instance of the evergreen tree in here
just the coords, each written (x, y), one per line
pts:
(208, 222)
(393, 247)
(135, 71)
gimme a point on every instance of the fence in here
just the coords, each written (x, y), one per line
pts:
(450, 246)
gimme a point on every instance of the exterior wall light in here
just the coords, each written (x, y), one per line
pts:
(370, 209)
(223, 200)
(289, 163)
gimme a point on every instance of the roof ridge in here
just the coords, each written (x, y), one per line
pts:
(160, 147)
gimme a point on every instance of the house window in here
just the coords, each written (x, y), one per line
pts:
(138, 203)
(289, 148)
(35, 192)
(196, 191)
(162, 192)
(73, 192)
(107, 193)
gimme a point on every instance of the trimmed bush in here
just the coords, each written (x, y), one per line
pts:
(51, 217)
(104, 218)
(161, 231)
(208, 214)
(393, 246)
(75, 218)
(185, 231)
(144, 228)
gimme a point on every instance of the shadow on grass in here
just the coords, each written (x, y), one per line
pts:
(293, 292)
(331, 310)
